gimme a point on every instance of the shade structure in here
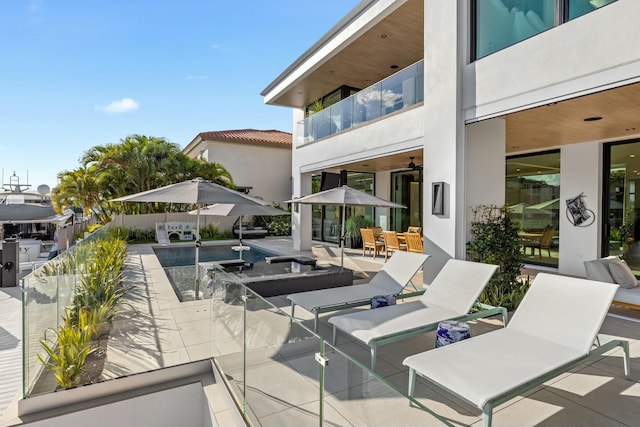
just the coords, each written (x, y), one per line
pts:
(195, 191)
(233, 209)
(344, 196)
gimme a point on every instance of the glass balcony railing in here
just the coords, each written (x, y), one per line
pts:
(398, 91)
(274, 366)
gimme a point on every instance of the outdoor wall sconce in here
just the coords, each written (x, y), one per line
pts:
(437, 198)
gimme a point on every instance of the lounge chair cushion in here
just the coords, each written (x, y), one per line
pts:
(391, 279)
(371, 324)
(481, 379)
(622, 274)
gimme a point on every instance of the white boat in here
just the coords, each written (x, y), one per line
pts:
(29, 217)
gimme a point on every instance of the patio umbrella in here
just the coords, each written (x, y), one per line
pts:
(233, 209)
(198, 192)
(344, 196)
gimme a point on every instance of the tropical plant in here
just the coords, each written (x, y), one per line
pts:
(68, 352)
(278, 225)
(495, 240)
(138, 163)
(354, 223)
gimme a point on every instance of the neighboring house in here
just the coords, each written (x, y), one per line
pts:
(259, 161)
(487, 96)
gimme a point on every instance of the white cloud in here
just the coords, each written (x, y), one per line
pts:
(121, 106)
(215, 46)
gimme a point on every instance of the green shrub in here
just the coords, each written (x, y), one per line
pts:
(277, 225)
(68, 352)
(495, 240)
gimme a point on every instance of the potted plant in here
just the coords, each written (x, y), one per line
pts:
(352, 230)
(495, 240)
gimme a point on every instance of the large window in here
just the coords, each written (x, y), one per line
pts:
(621, 227)
(533, 197)
(326, 219)
(502, 23)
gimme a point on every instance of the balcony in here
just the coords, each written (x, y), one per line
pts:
(396, 92)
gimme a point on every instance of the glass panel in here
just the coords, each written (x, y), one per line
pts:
(533, 197)
(356, 396)
(341, 115)
(321, 124)
(624, 209)
(407, 191)
(582, 7)
(367, 104)
(268, 361)
(398, 91)
(331, 223)
(502, 23)
(420, 81)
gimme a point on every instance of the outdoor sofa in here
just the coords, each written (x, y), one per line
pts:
(628, 294)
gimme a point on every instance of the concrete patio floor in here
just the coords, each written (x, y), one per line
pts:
(156, 330)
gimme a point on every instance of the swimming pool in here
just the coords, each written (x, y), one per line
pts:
(222, 274)
(186, 255)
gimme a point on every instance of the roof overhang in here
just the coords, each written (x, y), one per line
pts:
(358, 51)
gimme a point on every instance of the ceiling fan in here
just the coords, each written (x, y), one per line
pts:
(412, 165)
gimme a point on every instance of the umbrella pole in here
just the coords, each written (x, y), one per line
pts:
(342, 237)
(240, 236)
(197, 295)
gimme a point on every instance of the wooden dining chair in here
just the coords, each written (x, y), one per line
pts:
(391, 243)
(369, 242)
(414, 242)
(414, 230)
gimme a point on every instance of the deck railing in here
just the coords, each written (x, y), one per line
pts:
(398, 91)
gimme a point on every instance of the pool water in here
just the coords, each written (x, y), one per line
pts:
(280, 277)
(186, 255)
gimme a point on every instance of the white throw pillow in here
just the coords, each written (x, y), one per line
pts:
(622, 274)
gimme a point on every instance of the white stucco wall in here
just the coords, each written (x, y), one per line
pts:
(580, 172)
(444, 135)
(181, 406)
(396, 133)
(592, 52)
(266, 168)
(485, 171)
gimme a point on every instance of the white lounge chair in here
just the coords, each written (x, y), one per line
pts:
(552, 331)
(390, 280)
(451, 295)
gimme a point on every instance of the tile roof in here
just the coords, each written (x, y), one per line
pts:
(275, 137)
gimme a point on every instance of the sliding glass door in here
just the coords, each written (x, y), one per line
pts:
(621, 225)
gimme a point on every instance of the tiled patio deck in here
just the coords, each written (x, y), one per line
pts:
(156, 330)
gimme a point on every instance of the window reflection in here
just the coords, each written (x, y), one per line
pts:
(582, 7)
(502, 23)
(533, 198)
(623, 228)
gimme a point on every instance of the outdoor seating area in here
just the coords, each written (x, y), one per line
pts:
(451, 295)
(261, 344)
(392, 279)
(614, 270)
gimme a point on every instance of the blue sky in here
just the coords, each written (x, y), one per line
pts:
(80, 73)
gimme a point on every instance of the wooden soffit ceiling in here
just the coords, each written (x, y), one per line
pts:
(395, 41)
(564, 122)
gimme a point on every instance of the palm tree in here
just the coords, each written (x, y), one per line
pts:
(138, 163)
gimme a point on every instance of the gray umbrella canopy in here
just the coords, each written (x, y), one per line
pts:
(231, 209)
(344, 196)
(194, 192)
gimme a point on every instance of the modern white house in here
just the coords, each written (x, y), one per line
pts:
(532, 104)
(259, 161)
